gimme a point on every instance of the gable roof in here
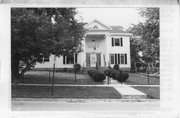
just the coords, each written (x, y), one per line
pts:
(103, 24)
(110, 29)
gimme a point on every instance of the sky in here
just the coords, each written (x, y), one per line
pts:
(111, 16)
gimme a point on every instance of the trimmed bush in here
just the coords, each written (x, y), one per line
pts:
(112, 73)
(122, 77)
(107, 72)
(119, 75)
(116, 67)
(77, 67)
(96, 75)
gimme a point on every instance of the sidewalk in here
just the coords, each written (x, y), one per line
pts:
(83, 105)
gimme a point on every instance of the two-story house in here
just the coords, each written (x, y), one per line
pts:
(102, 44)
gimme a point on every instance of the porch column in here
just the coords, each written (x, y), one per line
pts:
(108, 44)
(84, 52)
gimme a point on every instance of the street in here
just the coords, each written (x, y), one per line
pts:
(84, 105)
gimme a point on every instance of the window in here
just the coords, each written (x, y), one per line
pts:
(118, 58)
(44, 59)
(70, 59)
(122, 59)
(95, 27)
(117, 42)
(112, 58)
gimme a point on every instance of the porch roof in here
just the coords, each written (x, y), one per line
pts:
(95, 36)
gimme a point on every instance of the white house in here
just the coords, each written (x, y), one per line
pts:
(102, 44)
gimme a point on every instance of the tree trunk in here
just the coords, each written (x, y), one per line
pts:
(14, 69)
(135, 67)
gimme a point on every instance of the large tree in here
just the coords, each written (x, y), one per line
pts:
(39, 32)
(148, 34)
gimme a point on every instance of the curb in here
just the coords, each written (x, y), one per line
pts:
(69, 100)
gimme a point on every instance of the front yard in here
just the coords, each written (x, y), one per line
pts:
(42, 77)
(84, 92)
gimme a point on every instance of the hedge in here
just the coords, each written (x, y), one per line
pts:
(119, 75)
(116, 67)
(77, 67)
(96, 75)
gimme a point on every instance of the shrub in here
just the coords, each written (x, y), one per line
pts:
(96, 75)
(112, 73)
(77, 67)
(121, 76)
(116, 67)
(107, 72)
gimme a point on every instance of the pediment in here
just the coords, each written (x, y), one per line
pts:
(97, 25)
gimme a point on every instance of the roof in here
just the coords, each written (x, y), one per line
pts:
(111, 29)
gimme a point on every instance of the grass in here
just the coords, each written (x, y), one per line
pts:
(137, 79)
(42, 77)
(152, 92)
(84, 92)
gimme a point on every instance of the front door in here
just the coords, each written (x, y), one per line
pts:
(93, 60)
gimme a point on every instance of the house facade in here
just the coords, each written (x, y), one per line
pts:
(102, 44)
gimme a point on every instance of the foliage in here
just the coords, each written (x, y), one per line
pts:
(77, 67)
(116, 67)
(119, 75)
(36, 32)
(96, 75)
(146, 36)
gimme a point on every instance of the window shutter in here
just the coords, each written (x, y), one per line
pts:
(112, 42)
(63, 59)
(125, 58)
(121, 41)
(115, 58)
(76, 57)
(118, 58)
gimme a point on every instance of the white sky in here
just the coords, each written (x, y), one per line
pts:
(111, 16)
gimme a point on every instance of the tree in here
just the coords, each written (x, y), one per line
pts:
(148, 34)
(39, 32)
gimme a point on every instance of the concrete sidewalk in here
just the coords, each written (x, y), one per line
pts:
(83, 105)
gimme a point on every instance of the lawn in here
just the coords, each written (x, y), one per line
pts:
(152, 92)
(137, 79)
(42, 77)
(84, 92)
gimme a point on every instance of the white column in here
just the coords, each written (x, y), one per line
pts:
(84, 53)
(107, 48)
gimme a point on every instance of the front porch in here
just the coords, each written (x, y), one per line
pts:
(95, 50)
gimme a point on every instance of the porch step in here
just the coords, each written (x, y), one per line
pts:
(128, 92)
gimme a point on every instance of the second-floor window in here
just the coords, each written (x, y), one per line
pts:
(117, 42)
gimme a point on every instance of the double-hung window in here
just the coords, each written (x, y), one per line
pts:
(118, 58)
(117, 42)
(70, 59)
(45, 58)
